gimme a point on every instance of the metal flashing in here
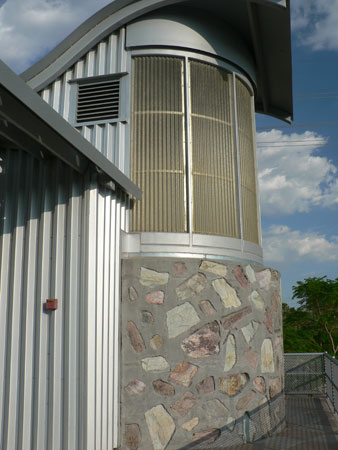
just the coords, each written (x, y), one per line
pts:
(93, 79)
(36, 121)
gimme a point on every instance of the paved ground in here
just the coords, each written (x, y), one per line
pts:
(310, 426)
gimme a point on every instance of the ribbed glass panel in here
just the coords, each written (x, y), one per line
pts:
(157, 144)
(247, 163)
(215, 205)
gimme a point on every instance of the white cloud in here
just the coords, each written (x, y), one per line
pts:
(292, 177)
(281, 244)
(30, 28)
(316, 23)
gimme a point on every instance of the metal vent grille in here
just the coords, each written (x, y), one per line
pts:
(98, 101)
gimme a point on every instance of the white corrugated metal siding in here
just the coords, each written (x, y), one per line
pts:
(108, 57)
(59, 238)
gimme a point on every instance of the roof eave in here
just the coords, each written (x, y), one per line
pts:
(269, 19)
(270, 38)
(27, 118)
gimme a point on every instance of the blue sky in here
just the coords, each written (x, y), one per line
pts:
(298, 164)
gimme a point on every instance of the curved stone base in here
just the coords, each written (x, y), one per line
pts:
(201, 348)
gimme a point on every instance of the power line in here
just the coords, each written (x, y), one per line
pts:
(309, 141)
(318, 98)
(315, 94)
(293, 145)
(314, 124)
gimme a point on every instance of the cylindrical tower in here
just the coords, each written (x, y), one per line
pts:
(192, 140)
(201, 322)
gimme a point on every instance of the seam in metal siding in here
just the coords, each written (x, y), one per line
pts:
(108, 57)
(59, 238)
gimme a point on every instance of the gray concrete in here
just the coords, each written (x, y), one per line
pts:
(201, 346)
(311, 425)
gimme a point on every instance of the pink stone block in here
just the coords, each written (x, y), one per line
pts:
(184, 403)
(230, 320)
(135, 387)
(179, 268)
(163, 388)
(259, 384)
(233, 384)
(183, 374)
(204, 342)
(206, 307)
(132, 436)
(252, 357)
(268, 319)
(135, 337)
(241, 278)
(155, 298)
(206, 386)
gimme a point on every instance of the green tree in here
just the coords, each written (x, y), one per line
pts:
(318, 312)
(299, 331)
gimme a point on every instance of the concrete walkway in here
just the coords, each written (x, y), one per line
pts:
(310, 426)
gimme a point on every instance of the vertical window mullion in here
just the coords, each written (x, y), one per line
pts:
(236, 144)
(188, 149)
(259, 225)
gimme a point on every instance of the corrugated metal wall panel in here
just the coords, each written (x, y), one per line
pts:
(108, 57)
(59, 238)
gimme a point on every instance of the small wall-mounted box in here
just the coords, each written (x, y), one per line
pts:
(51, 304)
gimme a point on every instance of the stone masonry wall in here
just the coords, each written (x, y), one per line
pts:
(201, 345)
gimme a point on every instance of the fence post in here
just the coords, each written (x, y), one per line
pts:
(335, 406)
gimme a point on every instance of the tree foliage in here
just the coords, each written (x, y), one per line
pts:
(313, 327)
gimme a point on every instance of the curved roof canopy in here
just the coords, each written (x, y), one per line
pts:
(264, 25)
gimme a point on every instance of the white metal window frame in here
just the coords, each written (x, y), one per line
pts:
(192, 244)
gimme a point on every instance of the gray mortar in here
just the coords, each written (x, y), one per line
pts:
(133, 407)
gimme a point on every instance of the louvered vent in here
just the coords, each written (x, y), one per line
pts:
(98, 101)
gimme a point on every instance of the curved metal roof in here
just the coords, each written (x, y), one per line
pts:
(264, 24)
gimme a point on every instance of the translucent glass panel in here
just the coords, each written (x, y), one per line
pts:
(157, 144)
(159, 151)
(247, 163)
(215, 198)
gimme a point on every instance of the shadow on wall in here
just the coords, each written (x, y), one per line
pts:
(30, 187)
(2, 181)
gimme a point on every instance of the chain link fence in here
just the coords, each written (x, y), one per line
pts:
(262, 421)
(331, 372)
(312, 374)
(305, 374)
